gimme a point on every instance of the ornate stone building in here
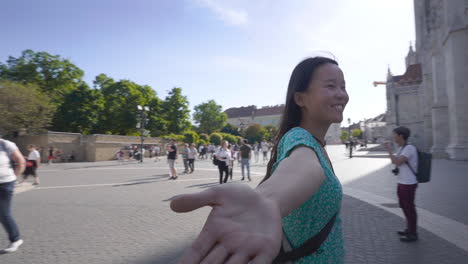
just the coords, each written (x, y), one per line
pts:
(431, 98)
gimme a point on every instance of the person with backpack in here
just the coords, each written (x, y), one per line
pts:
(12, 165)
(293, 215)
(406, 165)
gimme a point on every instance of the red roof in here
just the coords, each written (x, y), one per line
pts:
(245, 111)
(413, 75)
(270, 110)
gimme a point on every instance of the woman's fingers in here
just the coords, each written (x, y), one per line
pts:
(199, 249)
(238, 259)
(189, 202)
(261, 259)
(218, 255)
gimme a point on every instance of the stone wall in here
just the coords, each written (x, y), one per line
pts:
(83, 147)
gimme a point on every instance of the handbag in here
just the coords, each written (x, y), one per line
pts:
(215, 161)
(288, 254)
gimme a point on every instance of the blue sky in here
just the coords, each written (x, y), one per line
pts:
(236, 52)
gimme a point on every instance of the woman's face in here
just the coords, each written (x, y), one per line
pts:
(225, 144)
(326, 97)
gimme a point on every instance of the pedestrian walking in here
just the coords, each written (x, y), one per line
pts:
(171, 160)
(406, 161)
(185, 153)
(33, 162)
(244, 158)
(265, 149)
(211, 150)
(257, 152)
(204, 151)
(51, 155)
(300, 195)
(232, 148)
(224, 157)
(157, 152)
(9, 155)
(201, 150)
(192, 155)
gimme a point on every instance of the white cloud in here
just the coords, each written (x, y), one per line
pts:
(232, 16)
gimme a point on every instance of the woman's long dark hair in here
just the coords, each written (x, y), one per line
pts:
(292, 115)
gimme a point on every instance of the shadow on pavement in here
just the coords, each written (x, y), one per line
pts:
(144, 181)
(204, 185)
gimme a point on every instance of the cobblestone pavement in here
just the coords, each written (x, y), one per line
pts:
(109, 213)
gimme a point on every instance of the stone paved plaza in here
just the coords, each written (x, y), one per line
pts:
(109, 213)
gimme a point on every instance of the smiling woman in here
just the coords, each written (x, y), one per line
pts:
(293, 215)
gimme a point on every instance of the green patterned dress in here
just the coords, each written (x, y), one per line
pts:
(307, 220)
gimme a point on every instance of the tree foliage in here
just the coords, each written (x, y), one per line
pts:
(356, 132)
(55, 76)
(209, 117)
(80, 111)
(176, 111)
(23, 106)
(255, 133)
(216, 138)
(231, 129)
(191, 137)
(120, 115)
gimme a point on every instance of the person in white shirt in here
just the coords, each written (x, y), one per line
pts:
(192, 154)
(265, 149)
(9, 152)
(32, 164)
(157, 152)
(224, 158)
(406, 156)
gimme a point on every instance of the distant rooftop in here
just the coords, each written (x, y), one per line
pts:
(252, 110)
(413, 75)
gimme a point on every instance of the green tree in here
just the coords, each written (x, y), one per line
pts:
(272, 132)
(191, 137)
(79, 111)
(55, 76)
(231, 129)
(230, 138)
(176, 111)
(120, 115)
(216, 138)
(209, 117)
(156, 122)
(23, 106)
(255, 133)
(356, 132)
(204, 137)
(344, 135)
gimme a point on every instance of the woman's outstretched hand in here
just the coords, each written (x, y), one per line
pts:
(243, 226)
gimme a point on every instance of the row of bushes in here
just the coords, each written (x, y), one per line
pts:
(214, 138)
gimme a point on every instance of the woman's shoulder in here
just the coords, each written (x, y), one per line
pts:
(10, 146)
(296, 134)
(295, 137)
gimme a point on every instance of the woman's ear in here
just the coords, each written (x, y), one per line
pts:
(299, 99)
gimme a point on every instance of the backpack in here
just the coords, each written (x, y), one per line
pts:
(424, 167)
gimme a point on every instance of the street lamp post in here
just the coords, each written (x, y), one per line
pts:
(350, 142)
(143, 110)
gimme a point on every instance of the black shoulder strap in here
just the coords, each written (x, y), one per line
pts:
(309, 247)
(411, 168)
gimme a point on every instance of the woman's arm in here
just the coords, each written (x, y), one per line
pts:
(296, 179)
(245, 224)
(18, 158)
